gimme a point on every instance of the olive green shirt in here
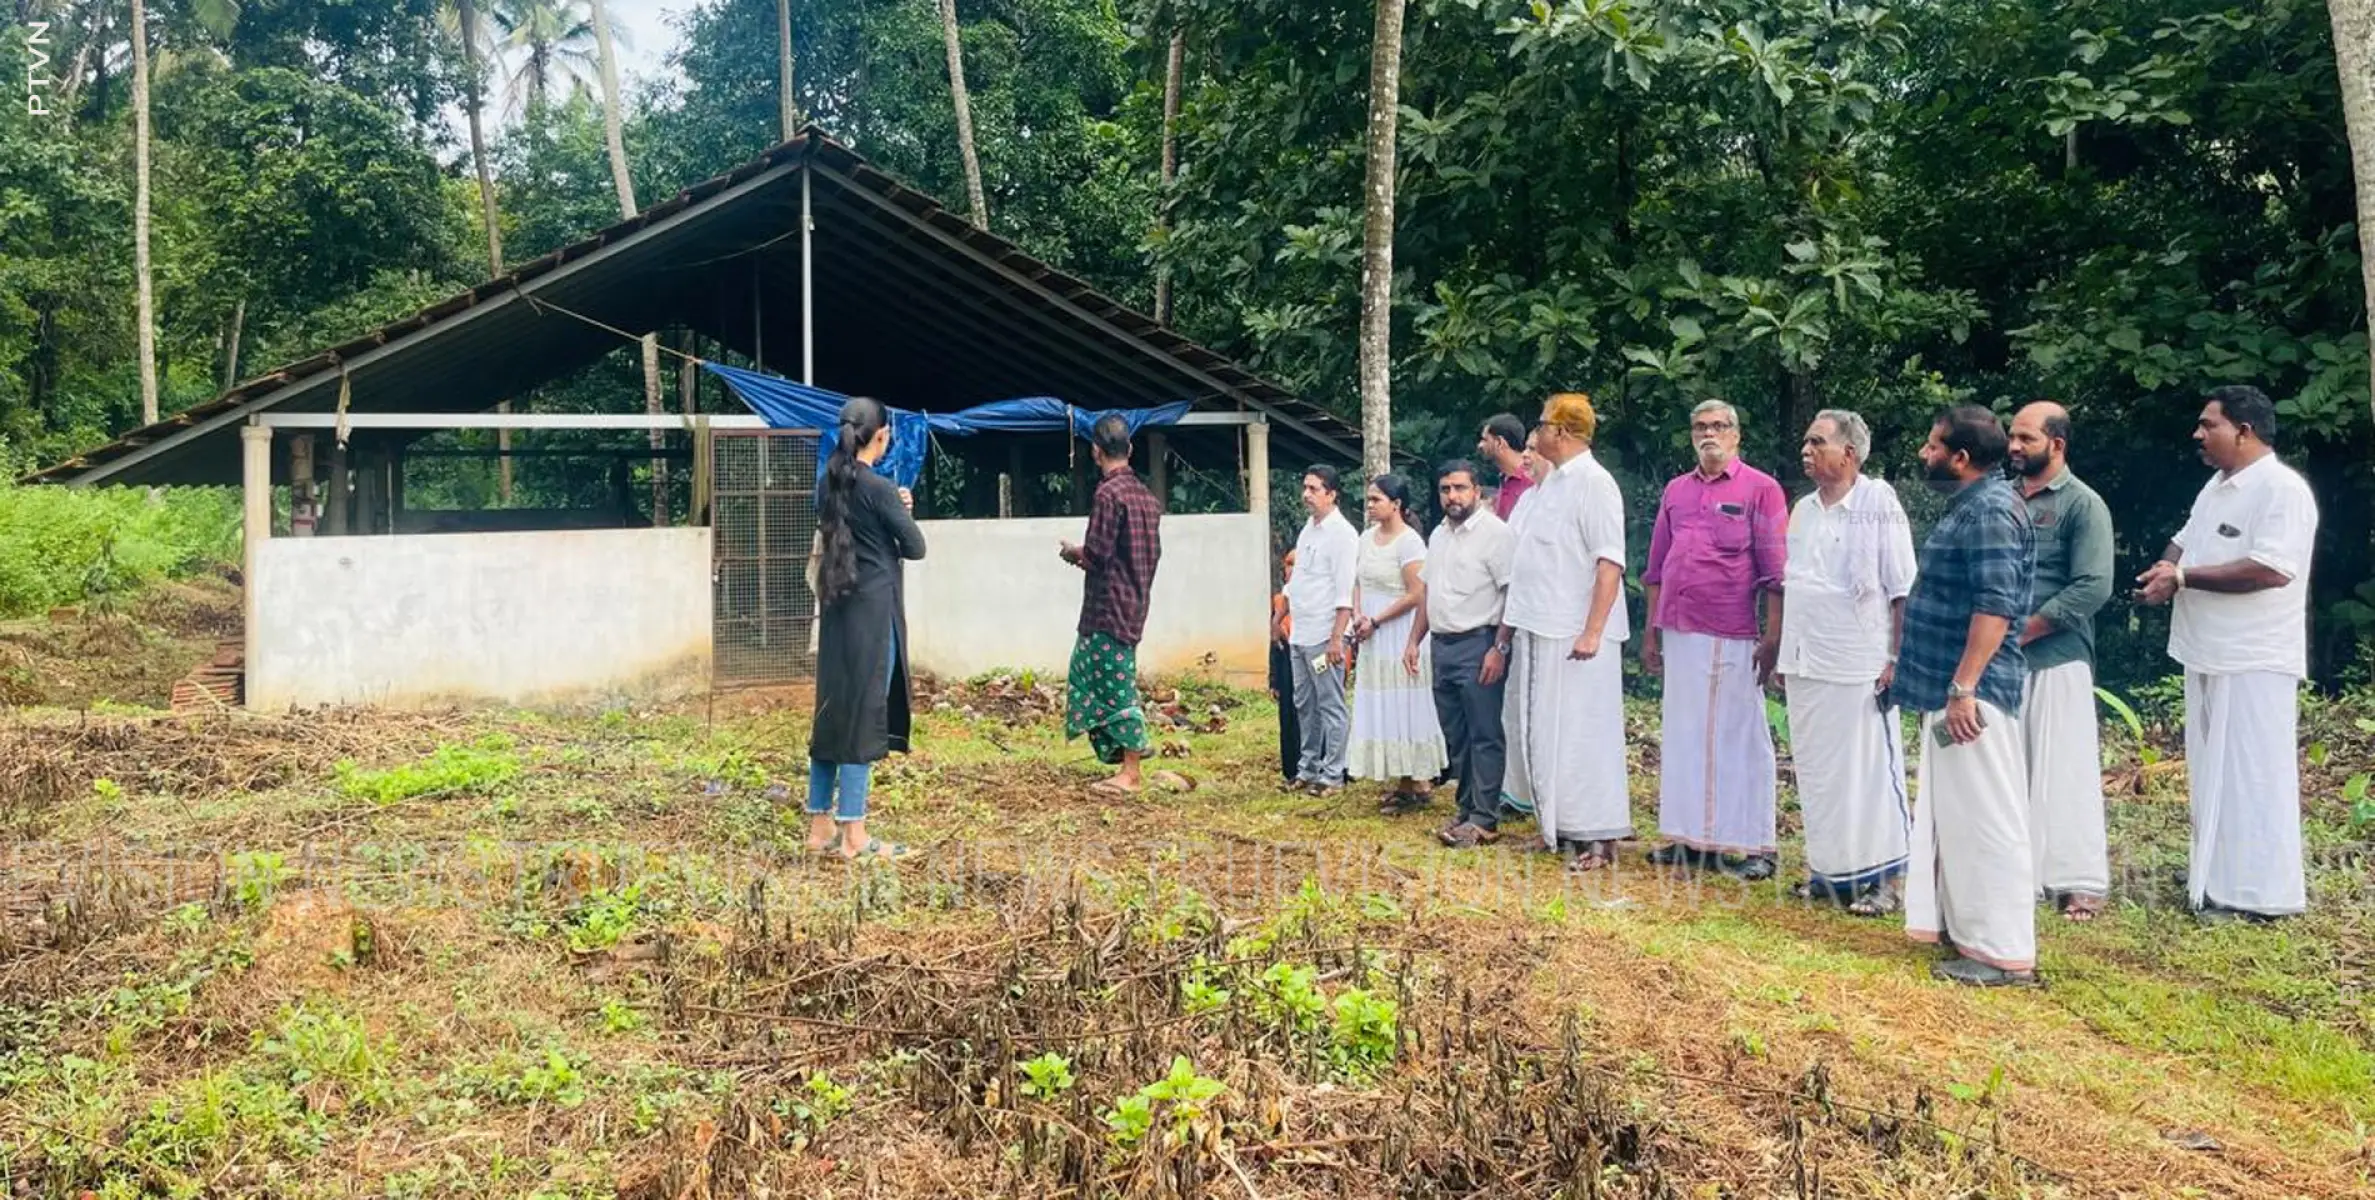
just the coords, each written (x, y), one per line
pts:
(2073, 578)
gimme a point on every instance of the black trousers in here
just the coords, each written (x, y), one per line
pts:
(1290, 734)
(1470, 713)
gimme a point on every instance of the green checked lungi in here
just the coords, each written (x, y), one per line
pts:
(1102, 698)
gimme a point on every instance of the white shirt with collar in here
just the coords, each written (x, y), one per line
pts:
(1564, 527)
(1327, 560)
(1847, 563)
(2265, 513)
(1468, 573)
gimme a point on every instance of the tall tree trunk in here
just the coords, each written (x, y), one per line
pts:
(231, 335)
(964, 105)
(2354, 55)
(1377, 243)
(783, 68)
(474, 101)
(613, 133)
(143, 280)
(1173, 74)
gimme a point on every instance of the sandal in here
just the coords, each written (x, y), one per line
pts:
(880, 851)
(1397, 803)
(1109, 787)
(2079, 908)
(1753, 868)
(1590, 858)
(1879, 900)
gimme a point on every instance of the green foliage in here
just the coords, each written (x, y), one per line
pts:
(1047, 1076)
(1287, 996)
(309, 1044)
(256, 875)
(549, 1075)
(607, 916)
(1183, 1097)
(1364, 1035)
(69, 547)
(481, 766)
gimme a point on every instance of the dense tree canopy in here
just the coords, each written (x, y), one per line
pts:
(1793, 204)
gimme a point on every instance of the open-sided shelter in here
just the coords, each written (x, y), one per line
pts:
(806, 264)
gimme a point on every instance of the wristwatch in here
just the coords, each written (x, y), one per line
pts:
(1501, 648)
(1956, 691)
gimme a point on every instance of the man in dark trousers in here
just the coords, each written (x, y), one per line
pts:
(1467, 576)
(1119, 558)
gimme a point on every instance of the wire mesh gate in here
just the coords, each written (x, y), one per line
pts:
(763, 521)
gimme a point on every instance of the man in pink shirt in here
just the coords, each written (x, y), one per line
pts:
(1503, 444)
(1721, 538)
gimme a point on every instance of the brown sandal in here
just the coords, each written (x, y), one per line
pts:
(1591, 858)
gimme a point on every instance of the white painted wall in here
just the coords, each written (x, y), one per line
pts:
(992, 594)
(558, 617)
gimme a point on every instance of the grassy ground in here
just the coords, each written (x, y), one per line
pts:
(518, 955)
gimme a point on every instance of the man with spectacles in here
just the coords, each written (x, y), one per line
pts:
(1561, 634)
(1720, 541)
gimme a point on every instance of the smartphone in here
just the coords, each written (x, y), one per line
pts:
(1319, 665)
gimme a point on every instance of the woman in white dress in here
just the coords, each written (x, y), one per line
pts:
(1395, 738)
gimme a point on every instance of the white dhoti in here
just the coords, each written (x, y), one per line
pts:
(1969, 875)
(2240, 748)
(1849, 758)
(1565, 721)
(2065, 752)
(1715, 758)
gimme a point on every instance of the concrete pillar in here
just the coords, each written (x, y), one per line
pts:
(304, 513)
(395, 489)
(1158, 453)
(336, 510)
(1257, 470)
(255, 493)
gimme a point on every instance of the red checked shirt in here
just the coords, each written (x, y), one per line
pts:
(1124, 545)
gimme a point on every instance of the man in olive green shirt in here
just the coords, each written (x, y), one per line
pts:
(2073, 579)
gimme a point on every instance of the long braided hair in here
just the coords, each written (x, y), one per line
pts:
(837, 570)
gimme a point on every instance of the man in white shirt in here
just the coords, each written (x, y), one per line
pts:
(1467, 574)
(1851, 565)
(1562, 634)
(2239, 575)
(1319, 609)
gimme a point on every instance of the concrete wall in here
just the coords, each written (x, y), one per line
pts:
(993, 594)
(558, 617)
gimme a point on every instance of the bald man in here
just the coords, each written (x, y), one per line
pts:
(2073, 529)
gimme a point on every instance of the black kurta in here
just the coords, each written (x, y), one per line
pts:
(860, 715)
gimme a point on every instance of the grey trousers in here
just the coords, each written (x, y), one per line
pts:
(1319, 709)
(1470, 713)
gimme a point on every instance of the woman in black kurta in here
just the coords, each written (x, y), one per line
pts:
(864, 535)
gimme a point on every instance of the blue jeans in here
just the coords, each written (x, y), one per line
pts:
(841, 788)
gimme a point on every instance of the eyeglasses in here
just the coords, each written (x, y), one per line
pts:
(1711, 427)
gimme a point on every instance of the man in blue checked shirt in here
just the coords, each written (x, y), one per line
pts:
(1970, 881)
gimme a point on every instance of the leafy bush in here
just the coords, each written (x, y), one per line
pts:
(67, 546)
(481, 766)
(1183, 1094)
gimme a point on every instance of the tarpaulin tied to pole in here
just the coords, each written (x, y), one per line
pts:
(788, 405)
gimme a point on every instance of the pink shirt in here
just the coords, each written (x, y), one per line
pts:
(1505, 500)
(1717, 541)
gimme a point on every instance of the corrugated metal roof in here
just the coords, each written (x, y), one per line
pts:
(913, 304)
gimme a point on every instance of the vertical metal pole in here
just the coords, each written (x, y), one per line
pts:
(758, 322)
(807, 290)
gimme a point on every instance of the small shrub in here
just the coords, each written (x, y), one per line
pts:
(1363, 1036)
(1047, 1076)
(482, 766)
(1183, 1096)
(310, 1044)
(256, 875)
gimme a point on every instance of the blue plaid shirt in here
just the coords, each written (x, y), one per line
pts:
(1980, 559)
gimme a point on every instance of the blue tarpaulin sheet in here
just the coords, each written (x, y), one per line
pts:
(788, 405)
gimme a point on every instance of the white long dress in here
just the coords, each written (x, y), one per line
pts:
(1395, 734)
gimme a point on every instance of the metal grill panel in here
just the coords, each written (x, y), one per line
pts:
(764, 524)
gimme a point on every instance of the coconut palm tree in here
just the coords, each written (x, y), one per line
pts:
(606, 50)
(559, 56)
(964, 105)
(2354, 54)
(144, 283)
